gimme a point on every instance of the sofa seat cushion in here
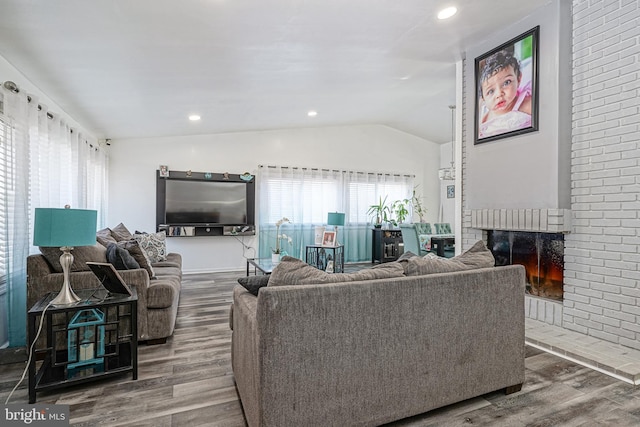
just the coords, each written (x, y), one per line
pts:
(81, 254)
(167, 271)
(173, 260)
(161, 264)
(478, 256)
(163, 292)
(293, 271)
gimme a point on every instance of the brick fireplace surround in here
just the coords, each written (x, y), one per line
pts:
(583, 161)
(551, 221)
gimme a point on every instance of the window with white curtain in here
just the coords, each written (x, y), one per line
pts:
(5, 159)
(44, 163)
(306, 196)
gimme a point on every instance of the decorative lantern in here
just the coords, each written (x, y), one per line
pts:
(85, 340)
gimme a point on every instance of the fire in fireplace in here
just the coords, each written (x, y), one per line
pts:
(542, 255)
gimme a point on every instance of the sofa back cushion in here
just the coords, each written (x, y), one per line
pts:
(120, 232)
(478, 256)
(293, 271)
(81, 254)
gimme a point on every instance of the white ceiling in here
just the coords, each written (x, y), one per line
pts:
(138, 68)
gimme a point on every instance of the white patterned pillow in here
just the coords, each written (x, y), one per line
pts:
(153, 244)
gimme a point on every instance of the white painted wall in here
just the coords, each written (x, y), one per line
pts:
(447, 205)
(530, 170)
(375, 148)
(9, 73)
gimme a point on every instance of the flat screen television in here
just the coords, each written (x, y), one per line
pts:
(194, 200)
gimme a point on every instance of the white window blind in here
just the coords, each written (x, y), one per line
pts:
(4, 238)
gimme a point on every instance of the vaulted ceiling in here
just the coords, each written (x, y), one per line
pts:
(139, 68)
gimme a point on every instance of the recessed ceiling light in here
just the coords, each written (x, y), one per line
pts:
(312, 113)
(447, 13)
(194, 117)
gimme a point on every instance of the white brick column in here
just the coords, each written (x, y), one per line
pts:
(602, 291)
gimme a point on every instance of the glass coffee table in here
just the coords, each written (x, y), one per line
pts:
(264, 265)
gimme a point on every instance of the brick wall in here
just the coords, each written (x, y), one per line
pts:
(602, 254)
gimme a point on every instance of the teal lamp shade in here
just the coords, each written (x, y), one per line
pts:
(64, 227)
(335, 218)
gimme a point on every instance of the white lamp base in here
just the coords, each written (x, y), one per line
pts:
(66, 296)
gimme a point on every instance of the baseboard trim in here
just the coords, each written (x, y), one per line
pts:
(13, 355)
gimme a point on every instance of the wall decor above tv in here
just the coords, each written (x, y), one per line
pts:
(192, 204)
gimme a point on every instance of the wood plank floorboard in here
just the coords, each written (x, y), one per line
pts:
(188, 382)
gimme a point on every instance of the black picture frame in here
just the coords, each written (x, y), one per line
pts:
(109, 277)
(498, 114)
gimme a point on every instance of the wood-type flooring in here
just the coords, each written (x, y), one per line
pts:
(188, 382)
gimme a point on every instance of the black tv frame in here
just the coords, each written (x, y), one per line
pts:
(205, 229)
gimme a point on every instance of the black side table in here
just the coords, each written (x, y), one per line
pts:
(319, 256)
(385, 245)
(73, 352)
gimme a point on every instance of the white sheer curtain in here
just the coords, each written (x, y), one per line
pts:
(14, 235)
(307, 195)
(45, 163)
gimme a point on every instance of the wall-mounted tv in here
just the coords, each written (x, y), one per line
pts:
(210, 200)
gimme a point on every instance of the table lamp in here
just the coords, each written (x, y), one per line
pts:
(335, 219)
(65, 228)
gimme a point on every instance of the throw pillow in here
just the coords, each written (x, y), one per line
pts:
(293, 271)
(121, 258)
(136, 251)
(406, 256)
(81, 254)
(153, 244)
(478, 256)
(104, 237)
(120, 233)
(254, 283)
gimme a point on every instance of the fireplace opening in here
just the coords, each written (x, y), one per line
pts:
(542, 255)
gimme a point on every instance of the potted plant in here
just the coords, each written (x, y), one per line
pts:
(416, 203)
(401, 210)
(278, 252)
(380, 212)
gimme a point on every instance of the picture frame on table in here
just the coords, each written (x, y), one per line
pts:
(329, 268)
(506, 80)
(329, 238)
(318, 235)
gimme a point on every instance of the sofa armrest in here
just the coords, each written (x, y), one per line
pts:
(244, 352)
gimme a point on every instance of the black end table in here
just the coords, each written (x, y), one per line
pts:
(319, 256)
(114, 349)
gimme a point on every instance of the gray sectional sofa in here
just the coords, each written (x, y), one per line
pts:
(370, 351)
(157, 283)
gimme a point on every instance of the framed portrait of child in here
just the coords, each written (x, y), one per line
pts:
(329, 238)
(507, 89)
